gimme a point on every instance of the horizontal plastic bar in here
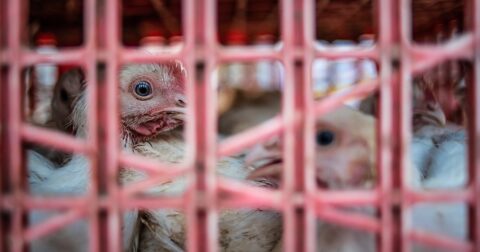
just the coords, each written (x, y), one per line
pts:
(54, 139)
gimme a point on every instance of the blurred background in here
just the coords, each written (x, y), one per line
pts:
(241, 21)
(250, 93)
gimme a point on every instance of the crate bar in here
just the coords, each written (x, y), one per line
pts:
(152, 203)
(129, 55)
(302, 74)
(3, 164)
(457, 47)
(249, 137)
(3, 52)
(202, 233)
(152, 166)
(357, 52)
(208, 104)
(89, 66)
(188, 27)
(53, 224)
(3, 152)
(64, 56)
(253, 201)
(445, 243)
(474, 129)
(53, 139)
(151, 181)
(350, 220)
(384, 125)
(345, 198)
(14, 120)
(336, 100)
(189, 30)
(291, 220)
(56, 202)
(242, 195)
(309, 129)
(3, 121)
(65, 202)
(405, 129)
(243, 53)
(465, 195)
(460, 48)
(110, 126)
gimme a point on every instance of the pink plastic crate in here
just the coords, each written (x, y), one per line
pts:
(299, 201)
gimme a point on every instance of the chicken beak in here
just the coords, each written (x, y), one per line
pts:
(432, 117)
(265, 162)
(433, 114)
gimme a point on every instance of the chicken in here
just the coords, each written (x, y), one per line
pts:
(438, 152)
(239, 230)
(152, 103)
(445, 83)
(155, 136)
(337, 146)
(69, 180)
(345, 159)
(66, 90)
(437, 147)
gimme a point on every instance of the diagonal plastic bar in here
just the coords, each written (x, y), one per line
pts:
(440, 242)
(53, 224)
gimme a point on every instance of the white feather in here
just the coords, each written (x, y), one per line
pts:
(240, 229)
(441, 158)
(69, 180)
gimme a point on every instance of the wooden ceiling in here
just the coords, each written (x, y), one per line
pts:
(336, 19)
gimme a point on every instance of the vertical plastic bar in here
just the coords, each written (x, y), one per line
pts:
(404, 123)
(190, 17)
(384, 126)
(3, 154)
(209, 106)
(109, 121)
(202, 218)
(13, 140)
(3, 151)
(474, 129)
(288, 114)
(188, 59)
(92, 115)
(309, 126)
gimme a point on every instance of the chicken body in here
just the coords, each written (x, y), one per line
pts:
(69, 180)
(345, 159)
(439, 154)
(66, 91)
(152, 103)
(239, 229)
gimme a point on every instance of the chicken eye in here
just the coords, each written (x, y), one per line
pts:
(325, 138)
(143, 89)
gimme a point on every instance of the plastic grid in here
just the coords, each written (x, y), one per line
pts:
(299, 200)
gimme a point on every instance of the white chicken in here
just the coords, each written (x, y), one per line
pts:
(345, 159)
(239, 230)
(152, 102)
